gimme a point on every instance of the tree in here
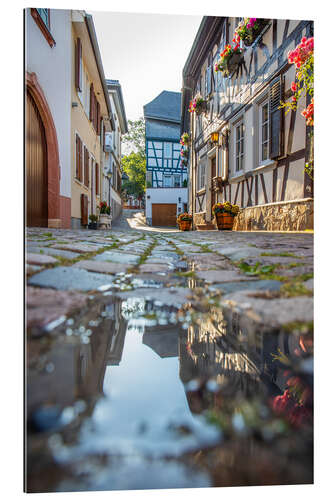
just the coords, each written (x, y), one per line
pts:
(135, 138)
(134, 163)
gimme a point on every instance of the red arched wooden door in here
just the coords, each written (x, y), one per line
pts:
(36, 167)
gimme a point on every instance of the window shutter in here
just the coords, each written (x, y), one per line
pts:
(103, 137)
(98, 119)
(276, 118)
(101, 128)
(97, 178)
(91, 109)
(77, 157)
(80, 160)
(86, 167)
(78, 62)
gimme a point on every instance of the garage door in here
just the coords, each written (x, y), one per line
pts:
(164, 214)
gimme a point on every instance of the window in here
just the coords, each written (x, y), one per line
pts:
(45, 16)
(202, 175)
(78, 159)
(176, 181)
(86, 167)
(239, 146)
(97, 178)
(42, 19)
(264, 132)
(167, 181)
(167, 150)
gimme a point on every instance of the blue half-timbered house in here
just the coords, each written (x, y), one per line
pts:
(166, 194)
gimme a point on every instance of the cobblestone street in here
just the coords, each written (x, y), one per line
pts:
(123, 324)
(267, 274)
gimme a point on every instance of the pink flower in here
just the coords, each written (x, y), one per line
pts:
(293, 87)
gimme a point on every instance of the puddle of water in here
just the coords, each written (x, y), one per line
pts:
(133, 394)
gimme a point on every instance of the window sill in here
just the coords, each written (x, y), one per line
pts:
(81, 184)
(265, 165)
(42, 26)
(238, 175)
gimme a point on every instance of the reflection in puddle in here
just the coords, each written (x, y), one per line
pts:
(133, 394)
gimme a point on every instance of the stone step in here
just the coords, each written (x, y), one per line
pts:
(206, 227)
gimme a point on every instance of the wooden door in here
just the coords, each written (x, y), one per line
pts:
(213, 174)
(164, 214)
(92, 192)
(35, 167)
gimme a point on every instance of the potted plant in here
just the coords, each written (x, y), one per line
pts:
(184, 221)
(198, 105)
(104, 215)
(184, 153)
(230, 59)
(185, 183)
(185, 139)
(183, 162)
(224, 214)
(249, 29)
(93, 221)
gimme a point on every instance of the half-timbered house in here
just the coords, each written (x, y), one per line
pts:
(244, 148)
(166, 179)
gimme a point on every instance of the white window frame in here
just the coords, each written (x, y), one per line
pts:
(237, 125)
(262, 160)
(167, 176)
(201, 175)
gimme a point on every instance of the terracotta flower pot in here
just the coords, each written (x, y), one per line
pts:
(224, 220)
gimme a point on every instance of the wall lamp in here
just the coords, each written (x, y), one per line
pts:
(214, 137)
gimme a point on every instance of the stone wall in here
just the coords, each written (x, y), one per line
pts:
(199, 218)
(284, 216)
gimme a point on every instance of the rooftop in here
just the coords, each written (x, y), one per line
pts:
(166, 106)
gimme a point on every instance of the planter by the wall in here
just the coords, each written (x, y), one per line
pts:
(92, 225)
(185, 225)
(232, 64)
(254, 32)
(105, 221)
(224, 221)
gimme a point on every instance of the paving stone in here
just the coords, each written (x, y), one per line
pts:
(114, 256)
(102, 267)
(47, 305)
(309, 284)
(39, 259)
(66, 254)
(32, 269)
(77, 247)
(273, 313)
(67, 278)
(217, 276)
(264, 285)
(154, 268)
(239, 253)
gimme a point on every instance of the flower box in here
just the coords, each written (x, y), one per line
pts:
(185, 225)
(198, 105)
(105, 221)
(224, 220)
(249, 29)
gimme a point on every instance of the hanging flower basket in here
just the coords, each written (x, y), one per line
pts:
(249, 29)
(198, 105)
(230, 59)
(224, 214)
(185, 139)
(184, 153)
